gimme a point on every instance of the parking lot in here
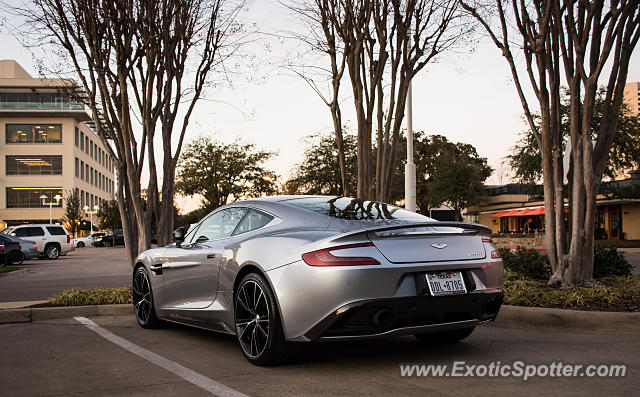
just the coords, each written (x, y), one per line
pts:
(87, 267)
(63, 357)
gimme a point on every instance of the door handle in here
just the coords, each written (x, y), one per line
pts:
(211, 256)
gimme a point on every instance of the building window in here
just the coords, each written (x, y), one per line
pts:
(29, 197)
(82, 141)
(86, 173)
(91, 174)
(77, 137)
(91, 149)
(34, 165)
(77, 167)
(86, 144)
(33, 133)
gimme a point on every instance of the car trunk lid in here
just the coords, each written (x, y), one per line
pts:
(430, 242)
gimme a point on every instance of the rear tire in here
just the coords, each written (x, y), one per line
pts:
(258, 324)
(52, 251)
(445, 337)
(80, 244)
(142, 295)
(17, 259)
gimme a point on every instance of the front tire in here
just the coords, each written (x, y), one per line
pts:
(445, 337)
(80, 244)
(258, 325)
(142, 296)
(52, 251)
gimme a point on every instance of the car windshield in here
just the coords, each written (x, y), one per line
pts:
(356, 209)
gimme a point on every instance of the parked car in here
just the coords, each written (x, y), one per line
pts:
(87, 241)
(110, 239)
(23, 249)
(279, 270)
(51, 240)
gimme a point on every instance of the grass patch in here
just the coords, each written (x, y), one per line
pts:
(617, 293)
(96, 296)
(9, 269)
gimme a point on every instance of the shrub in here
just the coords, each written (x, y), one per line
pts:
(608, 261)
(611, 294)
(97, 296)
(527, 262)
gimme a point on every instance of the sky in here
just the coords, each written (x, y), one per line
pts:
(468, 97)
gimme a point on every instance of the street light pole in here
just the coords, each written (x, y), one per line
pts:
(410, 167)
(50, 203)
(95, 210)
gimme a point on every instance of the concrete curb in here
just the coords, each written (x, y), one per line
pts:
(29, 314)
(590, 321)
(15, 272)
(512, 316)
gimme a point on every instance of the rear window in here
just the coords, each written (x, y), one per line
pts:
(56, 231)
(356, 209)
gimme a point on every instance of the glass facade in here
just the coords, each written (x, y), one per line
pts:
(34, 165)
(29, 197)
(38, 101)
(33, 133)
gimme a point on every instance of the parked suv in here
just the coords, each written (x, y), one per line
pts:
(51, 240)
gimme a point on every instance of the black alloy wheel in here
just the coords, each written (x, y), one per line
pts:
(143, 299)
(258, 327)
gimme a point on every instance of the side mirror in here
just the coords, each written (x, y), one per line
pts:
(178, 236)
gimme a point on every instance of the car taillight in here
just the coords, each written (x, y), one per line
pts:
(487, 240)
(20, 246)
(324, 257)
(1, 248)
(68, 239)
(35, 245)
(495, 254)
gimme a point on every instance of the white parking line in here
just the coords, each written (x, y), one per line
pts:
(185, 373)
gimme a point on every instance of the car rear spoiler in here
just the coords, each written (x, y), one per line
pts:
(468, 229)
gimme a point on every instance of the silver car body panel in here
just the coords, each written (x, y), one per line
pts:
(193, 284)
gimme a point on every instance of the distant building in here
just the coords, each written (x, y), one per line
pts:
(632, 97)
(46, 149)
(517, 209)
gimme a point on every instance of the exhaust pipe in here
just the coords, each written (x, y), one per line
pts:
(382, 317)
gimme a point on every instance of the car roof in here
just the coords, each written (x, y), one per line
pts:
(283, 197)
(37, 224)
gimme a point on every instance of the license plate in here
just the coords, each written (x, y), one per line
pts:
(446, 283)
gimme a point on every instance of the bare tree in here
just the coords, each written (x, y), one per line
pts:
(578, 40)
(382, 44)
(138, 63)
(321, 37)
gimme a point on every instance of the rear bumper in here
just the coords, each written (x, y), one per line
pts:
(407, 315)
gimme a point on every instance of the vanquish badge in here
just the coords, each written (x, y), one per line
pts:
(439, 246)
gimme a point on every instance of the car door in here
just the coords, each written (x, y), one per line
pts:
(190, 271)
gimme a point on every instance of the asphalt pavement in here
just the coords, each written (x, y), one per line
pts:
(64, 357)
(87, 267)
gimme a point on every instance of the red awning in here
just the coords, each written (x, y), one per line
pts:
(499, 214)
(521, 212)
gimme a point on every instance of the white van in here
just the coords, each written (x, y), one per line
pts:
(51, 240)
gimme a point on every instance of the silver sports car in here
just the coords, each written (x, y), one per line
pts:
(279, 270)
